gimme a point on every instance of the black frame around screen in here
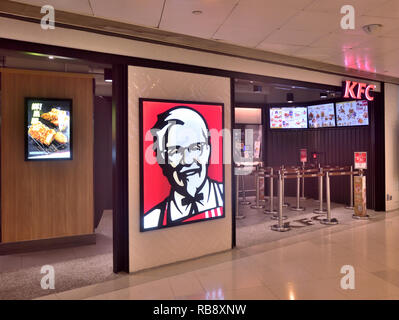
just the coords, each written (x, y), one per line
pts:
(70, 129)
(321, 104)
(289, 107)
(309, 104)
(353, 126)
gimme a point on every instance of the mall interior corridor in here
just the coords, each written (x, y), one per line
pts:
(304, 266)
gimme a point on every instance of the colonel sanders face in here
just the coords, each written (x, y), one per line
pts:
(186, 150)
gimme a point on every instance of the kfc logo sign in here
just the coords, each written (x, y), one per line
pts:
(358, 90)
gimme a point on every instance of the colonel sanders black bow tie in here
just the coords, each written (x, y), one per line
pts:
(192, 200)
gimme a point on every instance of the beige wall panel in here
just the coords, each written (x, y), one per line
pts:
(159, 247)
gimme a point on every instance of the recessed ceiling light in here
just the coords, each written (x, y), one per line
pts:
(51, 57)
(196, 12)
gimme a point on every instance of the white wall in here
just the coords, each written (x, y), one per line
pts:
(392, 145)
(155, 248)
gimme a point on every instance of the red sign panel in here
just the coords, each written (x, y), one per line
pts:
(360, 160)
(358, 90)
(182, 177)
(304, 155)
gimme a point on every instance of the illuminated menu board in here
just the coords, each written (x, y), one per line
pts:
(288, 118)
(48, 129)
(352, 113)
(321, 116)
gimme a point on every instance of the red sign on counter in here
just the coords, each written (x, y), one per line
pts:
(361, 160)
(304, 155)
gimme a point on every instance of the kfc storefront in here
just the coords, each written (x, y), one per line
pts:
(174, 185)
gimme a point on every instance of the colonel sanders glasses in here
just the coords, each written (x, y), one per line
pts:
(177, 153)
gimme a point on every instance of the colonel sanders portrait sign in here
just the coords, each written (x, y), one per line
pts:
(181, 148)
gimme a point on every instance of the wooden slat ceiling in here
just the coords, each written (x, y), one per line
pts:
(86, 16)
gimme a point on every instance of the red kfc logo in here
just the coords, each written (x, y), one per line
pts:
(358, 90)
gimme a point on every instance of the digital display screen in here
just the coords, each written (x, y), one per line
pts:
(289, 118)
(48, 129)
(321, 116)
(182, 178)
(352, 113)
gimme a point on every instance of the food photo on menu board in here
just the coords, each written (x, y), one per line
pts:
(48, 129)
(321, 116)
(352, 113)
(288, 118)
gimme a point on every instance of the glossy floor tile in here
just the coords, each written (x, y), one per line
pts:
(306, 266)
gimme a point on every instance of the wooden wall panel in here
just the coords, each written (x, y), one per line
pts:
(45, 199)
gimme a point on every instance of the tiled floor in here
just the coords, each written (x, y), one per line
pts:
(303, 266)
(251, 229)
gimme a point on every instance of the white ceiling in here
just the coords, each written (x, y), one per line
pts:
(303, 28)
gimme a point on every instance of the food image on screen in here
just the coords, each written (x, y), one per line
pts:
(321, 116)
(352, 113)
(48, 129)
(288, 118)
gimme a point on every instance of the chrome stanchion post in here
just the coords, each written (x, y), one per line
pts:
(318, 181)
(321, 210)
(244, 200)
(298, 191)
(271, 194)
(285, 204)
(257, 205)
(280, 226)
(262, 174)
(351, 205)
(329, 220)
(303, 182)
(279, 214)
(238, 215)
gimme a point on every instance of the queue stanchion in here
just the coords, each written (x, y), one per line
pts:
(318, 181)
(351, 205)
(303, 183)
(271, 194)
(328, 220)
(280, 226)
(285, 204)
(239, 216)
(244, 200)
(257, 205)
(298, 191)
(261, 172)
(321, 210)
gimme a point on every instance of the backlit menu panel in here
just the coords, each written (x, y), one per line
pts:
(288, 118)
